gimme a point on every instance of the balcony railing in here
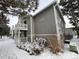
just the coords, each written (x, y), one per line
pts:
(22, 26)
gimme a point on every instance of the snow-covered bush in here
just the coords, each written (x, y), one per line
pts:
(19, 45)
(35, 47)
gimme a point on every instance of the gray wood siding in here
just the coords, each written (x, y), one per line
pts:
(45, 22)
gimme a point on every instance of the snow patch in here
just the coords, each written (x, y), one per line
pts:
(8, 50)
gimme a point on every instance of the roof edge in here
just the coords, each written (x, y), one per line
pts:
(52, 3)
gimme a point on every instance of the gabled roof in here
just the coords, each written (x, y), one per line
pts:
(51, 4)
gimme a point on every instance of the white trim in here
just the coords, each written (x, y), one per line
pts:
(46, 34)
(31, 28)
(43, 35)
(55, 14)
(57, 28)
(31, 20)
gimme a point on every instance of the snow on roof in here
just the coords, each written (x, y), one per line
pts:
(45, 7)
(40, 9)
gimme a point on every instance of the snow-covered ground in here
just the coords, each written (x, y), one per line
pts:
(8, 50)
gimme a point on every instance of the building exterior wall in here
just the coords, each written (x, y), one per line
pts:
(29, 28)
(45, 26)
(45, 22)
(21, 29)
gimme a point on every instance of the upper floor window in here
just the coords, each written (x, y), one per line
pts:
(25, 22)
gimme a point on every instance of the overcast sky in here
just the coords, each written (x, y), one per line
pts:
(42, 4)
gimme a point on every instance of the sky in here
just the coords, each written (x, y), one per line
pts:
(13, 20)
(42, 4)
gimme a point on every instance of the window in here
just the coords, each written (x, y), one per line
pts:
(25, 22)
